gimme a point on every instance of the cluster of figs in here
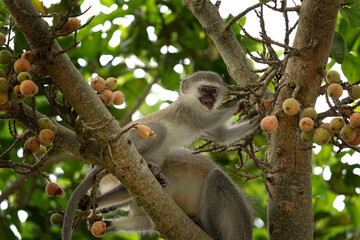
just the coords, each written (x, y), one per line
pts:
(347, 130)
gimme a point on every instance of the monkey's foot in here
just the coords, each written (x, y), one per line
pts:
(155, 169)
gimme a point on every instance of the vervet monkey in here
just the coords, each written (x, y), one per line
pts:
(200, 188)
(195, 113)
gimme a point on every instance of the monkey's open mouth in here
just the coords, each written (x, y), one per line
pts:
(208, 103)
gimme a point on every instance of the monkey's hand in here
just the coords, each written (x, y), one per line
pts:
(155, 169)
(84, 202)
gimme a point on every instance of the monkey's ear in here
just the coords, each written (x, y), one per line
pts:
(185, 85)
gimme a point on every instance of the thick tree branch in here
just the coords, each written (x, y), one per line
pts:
(127, 165)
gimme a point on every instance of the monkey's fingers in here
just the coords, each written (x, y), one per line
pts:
(154, 168)
(162, 179)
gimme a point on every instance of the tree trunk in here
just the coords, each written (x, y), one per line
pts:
(290, 208)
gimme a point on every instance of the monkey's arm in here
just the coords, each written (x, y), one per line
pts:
(226, 135)
(74, 201)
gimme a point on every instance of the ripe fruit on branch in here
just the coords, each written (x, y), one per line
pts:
(307, 136)
(119, 98)
(32, 145)
(332, 77)
(355, 92)
(111, 83)
(327, 127)
(42, 151)
(269, 124)
(356, 140)
(2, 73)
(56, 219)
(4, 84)
(46, 136)
(309, 112)
(98, 84)
(144, 132)
(29, 55)
(28, 88)
(321, 136)
(355, 120)
(98, 229)
(17, 98)
(306, 124)
(336, 124)
(107, 97)
(335, 90)
(70, 25)
(4, 107)
(347, 133)
(5, 57)
(3, 97)
(291, 106)
(21, 65)
(45, 123)
(2, 39)
(52, 190)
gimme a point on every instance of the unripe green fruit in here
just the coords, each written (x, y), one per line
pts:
(23, 76)
(327, 127)
(307, 136)
(306, 124)
(4, 97)
(321, 136)
(54, 129)
(351, 96)
(335, 90)
(56, 219)
(4, 84)
(2, 73)
(45, 123)
(332, 77)
(5, 57)
(17, 98)
(347, 133)
(309, 112)
(291, 106)
(2, 39)
(42, 150)
(46, 136)
(111, 83)
(32, 145)
(355, 120)
(355, 92)
(336, 124)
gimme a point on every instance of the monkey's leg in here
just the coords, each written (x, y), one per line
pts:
(225, 214)
(138, 223)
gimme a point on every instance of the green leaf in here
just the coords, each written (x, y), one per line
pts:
(350, 68)
(338, 48)
(352, 16)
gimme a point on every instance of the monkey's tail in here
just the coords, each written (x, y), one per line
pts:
(74, 201)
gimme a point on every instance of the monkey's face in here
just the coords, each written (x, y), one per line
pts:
(208, 95)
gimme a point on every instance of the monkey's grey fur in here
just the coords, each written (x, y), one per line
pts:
(195, 113)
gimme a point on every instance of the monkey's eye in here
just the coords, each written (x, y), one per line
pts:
(203, 89)
(213, 91)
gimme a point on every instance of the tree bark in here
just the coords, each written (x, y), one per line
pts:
(290, 212)
(126, 164)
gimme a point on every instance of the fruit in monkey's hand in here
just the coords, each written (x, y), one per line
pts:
(269, 124)
(29, 55)
(327, 127)
(4, 96)
(4, 84)
(56, 219)
(309, 112)
(291, 106)
(5, 57)
(42, 151)
(98, 229)
(46, 136)
(28, 88)
(32, 145)
(111, 83)
(321, 136)
(354, 92)
(45, 123)
(21, 65)
(347, 133)
(23, 76)
(107, 97)
(306, 124)
(336, 124)
(332, 77)
(355, 120)
(70, 25)
(52, 190)
(119, 98)
(144, 132)
(4, 107)
(307, 136)
(2, 39)
(335, 90)
(98, 84)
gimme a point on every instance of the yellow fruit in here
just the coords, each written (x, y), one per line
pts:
(2, 39)
(335, 90)
(306, 124)
(332, 77)
(309, 112)
(2, 73)
(347, 133)
(28, 56)
(3, 97)
(355, 92)
(144, 132)
(45, 123)
(56, 219)
(111, 83)
(52, 190)
(4, 84)
(42, 150)
(107, 97)
(307, 136)
(28, 88)
(17, 98)
(98, 229)
(21, 65)
(32, 145)
(46, 136)
(336, 124)
(321, 136)
(70, 25)
(98, 84)
(355, 120)
(291, 106)
(269, 124)
(119, 98)
(327, 127)
(356, 140)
